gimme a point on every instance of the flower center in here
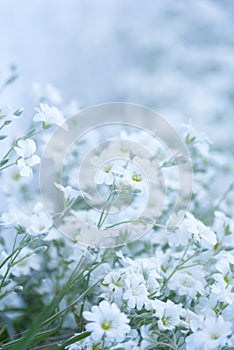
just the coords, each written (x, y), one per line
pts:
(108, 168)
(136, 177)
(165, 321)
(226, 279)
(186, 282)
(106, 325)
(215, 336)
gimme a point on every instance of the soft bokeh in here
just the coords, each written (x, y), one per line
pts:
(174, 56)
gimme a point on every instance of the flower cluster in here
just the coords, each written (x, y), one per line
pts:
(165, 290)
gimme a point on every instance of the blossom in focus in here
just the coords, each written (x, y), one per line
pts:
(106, 319)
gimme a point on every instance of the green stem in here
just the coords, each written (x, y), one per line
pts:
(106, 208)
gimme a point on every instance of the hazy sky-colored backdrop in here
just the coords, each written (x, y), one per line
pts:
(174, 56)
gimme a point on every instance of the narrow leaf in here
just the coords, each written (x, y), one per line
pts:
(3, 162)
(2, 137)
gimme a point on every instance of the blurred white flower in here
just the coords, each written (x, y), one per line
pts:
(223, 287)
(200, 139)
(26, 261)
(47, 92)
(185, 283)
(40, 223)
(213, 334)
(48, 115)
(26, 149)
(191, 320)
(14, 216)
(106, 319)
(70, 193)
(201, 233)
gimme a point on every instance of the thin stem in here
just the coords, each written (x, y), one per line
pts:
(106, 207)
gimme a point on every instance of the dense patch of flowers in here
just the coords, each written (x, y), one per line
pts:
(166, 290)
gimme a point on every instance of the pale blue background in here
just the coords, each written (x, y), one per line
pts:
(174, 56)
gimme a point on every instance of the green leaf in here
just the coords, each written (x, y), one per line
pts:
(2, 137)
(11, 79)
(18, 112)
(74, 339)
(7, 122)
(3, 162)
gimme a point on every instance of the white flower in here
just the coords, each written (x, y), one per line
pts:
(113, 284)
(26, 149)
(213, 334)
(15, 217)
(70, 193)
(135, 294)
(168, 314)
(200, 140)
(201, 233)
(187, 283)
(40, 223)
(191, 320)
(222, 287)
(108, 172)
(26, 260)
(224, 259)
(47, 92)
(48, 115)
(24, 165)
(106, 319)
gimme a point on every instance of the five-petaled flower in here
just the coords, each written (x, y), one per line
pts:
(106, 319)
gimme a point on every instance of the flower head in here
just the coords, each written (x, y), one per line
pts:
(26, 149)
(212, 335)
(48, 115)
(106, 319)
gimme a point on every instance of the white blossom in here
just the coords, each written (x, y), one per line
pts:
(106, 319)
(213, 333)
(48, 115)
(26, 149)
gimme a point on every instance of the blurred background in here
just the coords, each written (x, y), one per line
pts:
(174, 56)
